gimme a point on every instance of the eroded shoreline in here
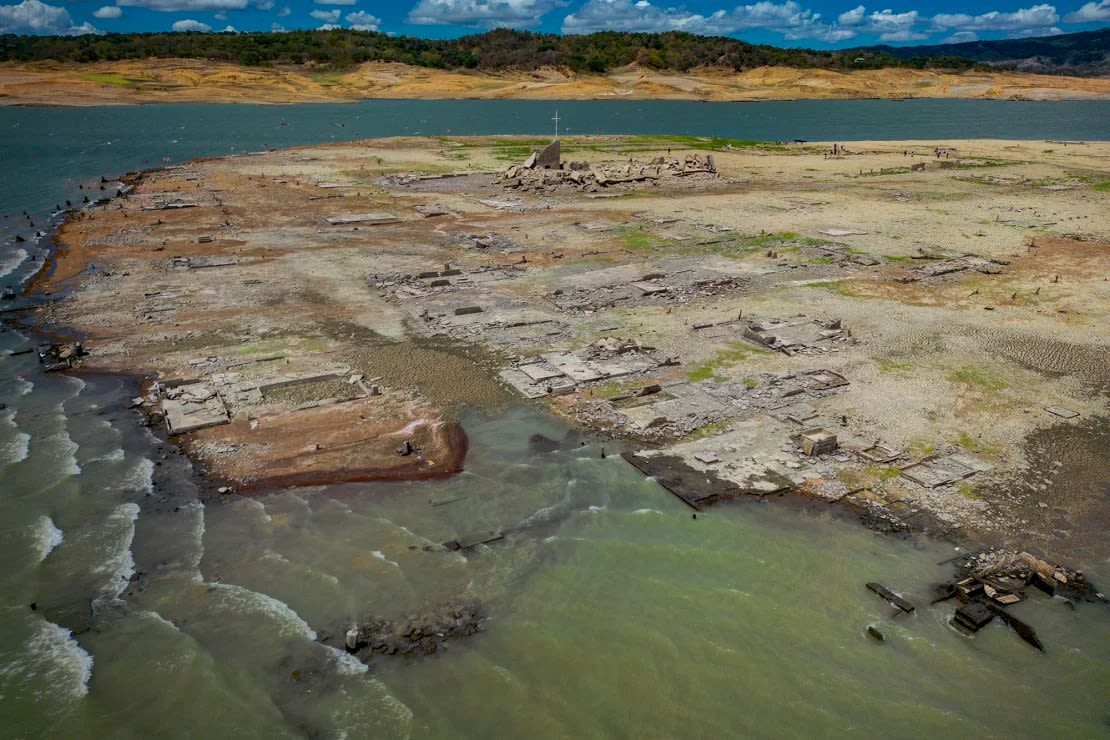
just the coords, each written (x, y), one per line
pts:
(166, 81)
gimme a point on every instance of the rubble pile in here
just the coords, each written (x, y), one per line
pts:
(537, 177)
(414, 636)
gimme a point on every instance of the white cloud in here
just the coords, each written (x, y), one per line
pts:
(33, 16)
(335, 2)
(188, 24)
(284, 12)
(329, 27)
(961, 37)
(1090, 13)
(276, 27)
(788, 18)
(174, 6)
(1031, 32)
(230, 29)
(852, 17)
(107, 12)
(328, 16)
(1038, 16)
(482, 13)
(361, 21)
(893, 26)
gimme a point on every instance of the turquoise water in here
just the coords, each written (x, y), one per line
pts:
(611, 612)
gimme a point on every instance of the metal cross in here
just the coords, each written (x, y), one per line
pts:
(556, 120)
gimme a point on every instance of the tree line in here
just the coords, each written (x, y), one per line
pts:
(497, 50)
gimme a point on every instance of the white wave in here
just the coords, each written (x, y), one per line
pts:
(76, 383)
(47, 536)
(550, 512)
(344, 663)
(15, 449)
(595, 509)
(158, 618)
(51, 654)
(119, 565)
(381, 556)
(247, 601)
(275, 556)
(63, 453)
(23, 386)
(116, 455)
(647, 511)
(11, 262)
(140, 478)
(253, 503)
(196, 508)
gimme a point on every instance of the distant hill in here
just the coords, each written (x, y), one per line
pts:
(1082, 54)
(1085, 54)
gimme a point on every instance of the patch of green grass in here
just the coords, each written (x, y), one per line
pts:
(887, 171)
(751, 383)
(1100, 182)
(839, 287)
(114, 79)
(710, 142)
(920, 448)
(328, 79)
(977, 377)
(708, 430)
(971, 444)
(734, 353)
(635, 238)
(967, 490)
(973, 163)
(888, 366)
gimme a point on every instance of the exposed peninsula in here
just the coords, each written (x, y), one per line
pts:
(908, 329)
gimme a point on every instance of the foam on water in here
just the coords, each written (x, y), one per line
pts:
(344, 663)
(59, 448)
(47, 536)
(116, 455)
(247, 601)
(140, 478)
(196, 509)
(381, 556)
(22, 386)
(547, 513)
(119, 564)
(15, 449)
(54, 658)
(12, 262)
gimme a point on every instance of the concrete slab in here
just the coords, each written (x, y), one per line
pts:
(540, 372)
(362, 218)
(195, 406)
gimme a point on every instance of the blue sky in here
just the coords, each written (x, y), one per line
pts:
(819, 24)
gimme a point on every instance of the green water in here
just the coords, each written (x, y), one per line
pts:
(611, 613)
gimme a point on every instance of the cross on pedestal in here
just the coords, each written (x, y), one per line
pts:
(556, 120)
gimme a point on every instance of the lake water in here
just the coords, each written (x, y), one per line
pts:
(611, 612)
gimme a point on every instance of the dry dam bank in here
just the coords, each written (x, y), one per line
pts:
(787, 339)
